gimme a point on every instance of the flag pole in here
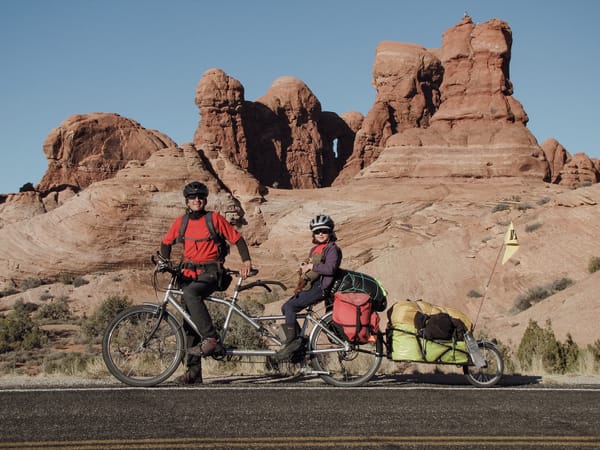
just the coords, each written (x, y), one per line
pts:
(510, 244)
(487, 285)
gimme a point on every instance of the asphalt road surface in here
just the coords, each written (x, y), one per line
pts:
(254, 413)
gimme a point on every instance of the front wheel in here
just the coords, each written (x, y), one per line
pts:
(338, 366)
(490, 374)
(143, 346)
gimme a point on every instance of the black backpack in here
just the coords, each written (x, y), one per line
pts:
(218, 238)
(437, 326)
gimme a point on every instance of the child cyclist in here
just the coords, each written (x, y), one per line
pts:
(324, 259)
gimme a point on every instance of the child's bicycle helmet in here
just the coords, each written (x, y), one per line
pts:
(321, 221)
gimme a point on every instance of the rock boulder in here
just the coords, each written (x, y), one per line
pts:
(86, 148)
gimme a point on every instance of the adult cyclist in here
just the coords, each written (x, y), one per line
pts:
(203, 265)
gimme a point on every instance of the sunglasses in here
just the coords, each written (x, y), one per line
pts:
(321, 232)
(193, 196)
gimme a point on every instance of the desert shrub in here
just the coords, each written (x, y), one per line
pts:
(594, 264)
(507, 356)
(543, 201)
(71, 363)
(501, 207)
(79, 281)
(524, 206)
(58, 310)
(8, 291)
(93, 327)
(538, 293)
(561, 284)
(30, 283)
(594, 349)
(19, 332)
(474, 294)
(240, 333)
(531, 297)
(46, 296)
(27, 308)
(569, 354)
(530, 227)
(66, 278)
(541, 344)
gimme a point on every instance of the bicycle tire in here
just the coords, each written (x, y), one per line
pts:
(342, 368)
(492, 372)
(131, 359)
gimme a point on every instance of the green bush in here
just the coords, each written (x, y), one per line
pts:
(541, 344)
(58, 310)
(93, 327)
(19, 332)
(594, 264)
(594, 349)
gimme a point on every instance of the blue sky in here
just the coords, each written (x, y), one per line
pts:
(143, 59)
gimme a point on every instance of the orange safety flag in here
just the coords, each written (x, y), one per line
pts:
(511, 243)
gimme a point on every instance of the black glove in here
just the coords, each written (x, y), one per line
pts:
(163, 266)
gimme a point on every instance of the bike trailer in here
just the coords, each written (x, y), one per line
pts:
(406, 333)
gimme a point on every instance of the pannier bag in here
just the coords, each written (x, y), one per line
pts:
(349, 281)
(353, 316)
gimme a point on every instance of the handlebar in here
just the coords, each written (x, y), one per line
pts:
(165, 265)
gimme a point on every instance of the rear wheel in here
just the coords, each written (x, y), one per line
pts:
(491, 373)
(142, 347)
(337, 366)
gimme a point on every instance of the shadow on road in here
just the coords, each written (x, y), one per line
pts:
(454, 379)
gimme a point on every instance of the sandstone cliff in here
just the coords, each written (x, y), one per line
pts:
(458, 117)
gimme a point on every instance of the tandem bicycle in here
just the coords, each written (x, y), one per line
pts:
(145, 344)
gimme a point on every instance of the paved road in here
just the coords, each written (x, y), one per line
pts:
(267, 413)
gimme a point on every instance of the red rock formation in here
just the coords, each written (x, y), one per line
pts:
(557, 156)
(283, 139)
(578, 170)
(407, 79)
(478, 130)
(92, 147)
(300, 147)
(220, 99)
(567, 170)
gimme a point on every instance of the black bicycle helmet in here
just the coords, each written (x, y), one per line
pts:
(195, 188)
(320, 222)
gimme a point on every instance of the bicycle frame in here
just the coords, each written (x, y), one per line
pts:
(307, 318)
